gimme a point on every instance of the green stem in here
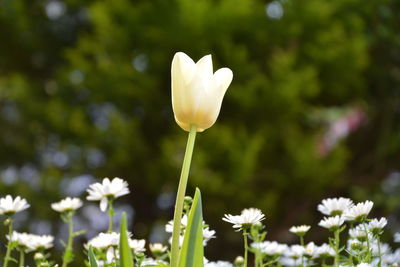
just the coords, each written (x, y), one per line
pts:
(67, 258)
(246, 248)
(181, 195)
(111, 215)
(351, 254)
(379, 250)
(21, 258)
(8, 252)
(115, 257)
(368, 245)
(337, 247)
(323, 262)
(302, 244)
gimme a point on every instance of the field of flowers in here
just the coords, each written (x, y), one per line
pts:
(197, 94)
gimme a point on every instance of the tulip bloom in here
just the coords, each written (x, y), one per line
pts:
(197, 92)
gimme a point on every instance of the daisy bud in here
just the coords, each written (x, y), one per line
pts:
(158, 249)
(239, 261)
(188, 200)
(38, 256)
(197, 91)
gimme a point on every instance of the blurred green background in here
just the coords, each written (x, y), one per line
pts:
(313, 110)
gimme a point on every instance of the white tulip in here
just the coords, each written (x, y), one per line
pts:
(197, 92)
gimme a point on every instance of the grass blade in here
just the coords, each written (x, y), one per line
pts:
(192, 251)
(92, 258)
(125, 253)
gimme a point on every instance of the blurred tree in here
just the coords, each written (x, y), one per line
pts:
(85, 90)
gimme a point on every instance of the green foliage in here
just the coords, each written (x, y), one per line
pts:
(125, 253)
(94, 85)
(192, 251)
(92, 258)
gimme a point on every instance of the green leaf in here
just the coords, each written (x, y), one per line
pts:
(192, 251)
(92, 258)
(125, 254)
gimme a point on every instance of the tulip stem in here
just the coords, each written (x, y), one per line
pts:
(181, 195)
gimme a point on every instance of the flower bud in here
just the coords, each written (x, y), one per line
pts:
(38, 256)
(239, 261)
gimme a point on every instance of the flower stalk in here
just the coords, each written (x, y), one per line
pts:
(67, 258)
(378, 239)
(8, 252)
(368, 244)
(181, 195)
(21, 258)
(246, 247)
(302, 244)
(110, 214)
(337, 247)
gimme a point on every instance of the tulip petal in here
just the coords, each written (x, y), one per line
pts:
(205, 69)
(183, 66)
(213, 97)
(182, 72)
(184, 126)
(222, 79)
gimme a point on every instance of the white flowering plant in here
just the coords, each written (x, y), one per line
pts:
(197, 94)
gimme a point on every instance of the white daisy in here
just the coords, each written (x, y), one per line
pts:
(335, 206)
(355, 246)
(137, 245)
(375, 226)
(169, 227)
(396, 237)
(392, 259)
(270, 248)
(104, 240)
(247, 218)
(39, 242)
(364, 265)
(149, 262)
(158, 248)
(207, 235)
(218, 264)
(300, 230)
(23, 240)
(295, 251)
(9, 206)
(324, 251)
(358, 212)
(332, 223)
(359, 233)
(310, 250)
(107, 189)
(67, 204)
(287, 261)
(382, 248)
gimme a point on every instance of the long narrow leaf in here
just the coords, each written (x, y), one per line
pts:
(192, 251)
(92, 258)
(125, 253)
